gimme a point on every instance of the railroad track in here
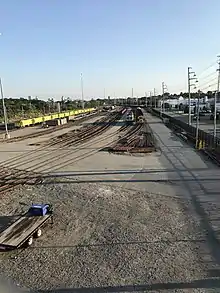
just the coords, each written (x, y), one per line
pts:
(61, 142)
(50, 129)
(88, 131)
(11, 176)
(138, 139)
(85, 154)
(73, 138)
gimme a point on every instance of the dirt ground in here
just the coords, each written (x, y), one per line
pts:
(104, 236)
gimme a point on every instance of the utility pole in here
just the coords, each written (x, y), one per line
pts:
(197, 119)
(189, 99)
(164, 88)
(146, 99)
(132, 93)
(189, 91)
(82, 91)
(7, 135)
(216, 95)
(155, 98)
(161, 101)
(151, 100)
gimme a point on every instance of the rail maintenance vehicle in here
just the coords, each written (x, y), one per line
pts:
(26, 227)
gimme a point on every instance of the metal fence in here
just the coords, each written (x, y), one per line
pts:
(204, 141)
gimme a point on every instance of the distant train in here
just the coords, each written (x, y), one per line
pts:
(129, 117)
(108, 108)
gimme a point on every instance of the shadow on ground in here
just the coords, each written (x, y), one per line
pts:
(196, 284)
(6, 221)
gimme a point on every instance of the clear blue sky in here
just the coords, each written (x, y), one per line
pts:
(116, 44)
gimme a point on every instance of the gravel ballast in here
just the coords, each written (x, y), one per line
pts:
(105, 237)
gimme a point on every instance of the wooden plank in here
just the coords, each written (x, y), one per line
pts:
(20, 229)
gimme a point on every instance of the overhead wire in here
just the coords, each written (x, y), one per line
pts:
(209, 81)
(201, 77)
(209, 86)
(204, 70)
(209, 75)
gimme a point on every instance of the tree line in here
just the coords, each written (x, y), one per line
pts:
(32, 107)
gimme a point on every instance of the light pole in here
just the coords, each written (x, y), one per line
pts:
(7, 135)
(82, 91)
(189, 91)
(216, 95)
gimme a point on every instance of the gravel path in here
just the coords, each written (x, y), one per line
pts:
(106, 237)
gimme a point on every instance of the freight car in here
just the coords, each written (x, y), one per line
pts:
(37, 120)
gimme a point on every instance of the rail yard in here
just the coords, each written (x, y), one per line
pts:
(135, 207)
(109, 147)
